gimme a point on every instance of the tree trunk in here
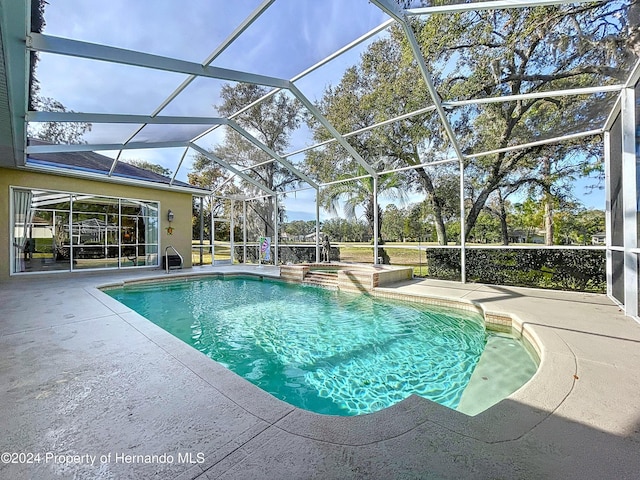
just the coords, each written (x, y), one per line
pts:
(432, 197)
(548, 202)
(476, 208)
(548, 222)
(502, 215)
(441, 231)
(368, 213)
(436, 204)
(269, 217)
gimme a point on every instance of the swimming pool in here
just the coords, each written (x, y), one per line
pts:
(325, 351)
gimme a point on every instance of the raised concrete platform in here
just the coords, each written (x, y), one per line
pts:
(83, 375)
(352, 277)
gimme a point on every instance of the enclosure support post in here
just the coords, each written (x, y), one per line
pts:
(398, 13)
(231, 234)
(607, 211)
(375, 220)
(244, 231)
(213, 236)
(275, 230)
(629, 194)
(463, 230)
(201, 227)
(317, 224)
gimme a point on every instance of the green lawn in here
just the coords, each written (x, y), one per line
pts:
(222, 252)
(349, 252)
(363, 253)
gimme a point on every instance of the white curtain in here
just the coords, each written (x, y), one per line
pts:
(151, 233)
(21, 212)
(149, 219)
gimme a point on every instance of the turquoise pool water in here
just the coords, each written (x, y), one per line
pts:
(325, 351)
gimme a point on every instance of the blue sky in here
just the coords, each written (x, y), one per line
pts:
(290, 37)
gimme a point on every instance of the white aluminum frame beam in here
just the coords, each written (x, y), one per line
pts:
(528, 96)
(629, 201)
(459, 103)
(491, 5)
(345, 180)
(634, 76)
(274, 156)
(276, 230)
(229, 167)
(175, 173)
(547, 141)
(221, 48)
(164, 120)
(70, 117)
(633, 79)
(270, 152)
(324, 61)
(393, 10)
(376, 233)
(420, 111)
(92, 51)
(613, 114)
(219, 186)
(325, 123)
(374, 31)
(475, 155)
(420, 165)
(246, 23)
(92, 147)
(607, 212)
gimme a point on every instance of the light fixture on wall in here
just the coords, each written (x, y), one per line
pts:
(170, 216)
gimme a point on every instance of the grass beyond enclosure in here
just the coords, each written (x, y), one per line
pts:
(404, 254)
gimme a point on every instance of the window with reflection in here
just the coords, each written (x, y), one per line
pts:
(69, 231)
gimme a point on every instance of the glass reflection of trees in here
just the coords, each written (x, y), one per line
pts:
(78, 231)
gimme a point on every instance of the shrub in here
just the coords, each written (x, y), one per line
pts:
(580, 270)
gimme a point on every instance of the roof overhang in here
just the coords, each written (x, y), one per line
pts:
(134, 182)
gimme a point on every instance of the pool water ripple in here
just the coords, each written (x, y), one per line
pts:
(326, 351)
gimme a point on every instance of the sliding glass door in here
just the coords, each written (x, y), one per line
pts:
(68, 231)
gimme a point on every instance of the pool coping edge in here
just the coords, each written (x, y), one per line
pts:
(536, 396)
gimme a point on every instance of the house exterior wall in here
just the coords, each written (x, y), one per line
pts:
(180, 204)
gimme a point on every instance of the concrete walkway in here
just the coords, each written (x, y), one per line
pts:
(92, 390)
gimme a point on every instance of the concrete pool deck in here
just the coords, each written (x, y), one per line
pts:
(99, 392)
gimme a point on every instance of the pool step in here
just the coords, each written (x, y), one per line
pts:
(323, 279)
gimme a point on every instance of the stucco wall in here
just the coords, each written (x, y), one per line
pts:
(178, 202)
